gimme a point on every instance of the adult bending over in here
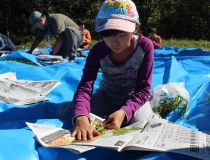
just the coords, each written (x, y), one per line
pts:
(66, 32)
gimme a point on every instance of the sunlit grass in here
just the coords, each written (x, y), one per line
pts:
(27, 45)
(202, 44)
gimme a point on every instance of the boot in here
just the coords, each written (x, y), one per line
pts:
(72, 59)
(81, 54)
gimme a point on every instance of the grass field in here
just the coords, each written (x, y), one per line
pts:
(182, 43)
(187, 43)
(171, 42)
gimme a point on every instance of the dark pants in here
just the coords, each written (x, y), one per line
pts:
(6, 44)
(73, 37)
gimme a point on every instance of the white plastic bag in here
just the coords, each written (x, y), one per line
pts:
(39, 52)
(170, 96)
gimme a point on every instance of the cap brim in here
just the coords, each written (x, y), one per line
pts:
(116, 24)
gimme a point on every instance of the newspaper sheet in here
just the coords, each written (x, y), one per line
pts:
(42, 87)
(57, 137)
(154, 135)
(24, 91)
(50, 59)
(162, 135)
(51, 136)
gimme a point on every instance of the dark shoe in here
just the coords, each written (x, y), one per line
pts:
(81, 54)
(72, 59)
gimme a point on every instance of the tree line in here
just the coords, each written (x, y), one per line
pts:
(177, 19)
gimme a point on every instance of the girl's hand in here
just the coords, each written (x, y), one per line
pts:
(84, 130)
(114, 120)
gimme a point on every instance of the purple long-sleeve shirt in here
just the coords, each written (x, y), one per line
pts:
(133, 77)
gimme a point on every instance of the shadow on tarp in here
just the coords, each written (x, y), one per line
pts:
(42, 110)
(198, 115)
(165, 156)
(104, 154)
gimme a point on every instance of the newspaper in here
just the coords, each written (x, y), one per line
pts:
(49, 59)
(155, 135)
(51, 136)
(24, 91)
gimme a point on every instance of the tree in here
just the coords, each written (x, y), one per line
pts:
(173, 19)
(146, 8)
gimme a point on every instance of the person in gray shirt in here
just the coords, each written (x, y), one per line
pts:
(66, 32)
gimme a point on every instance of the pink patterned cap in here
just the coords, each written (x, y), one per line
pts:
(118, 15)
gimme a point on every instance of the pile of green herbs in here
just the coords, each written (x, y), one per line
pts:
(169, 104)
(121, 131)
(100, 128)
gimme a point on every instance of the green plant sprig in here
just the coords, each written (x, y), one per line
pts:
(100, 128)
(169, 104)
(76, 141)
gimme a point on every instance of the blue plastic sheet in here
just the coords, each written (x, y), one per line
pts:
(171, 64)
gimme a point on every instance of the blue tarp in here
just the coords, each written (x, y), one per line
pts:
(189, 65)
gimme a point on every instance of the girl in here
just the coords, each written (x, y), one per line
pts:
(156, 39)
(126, 62)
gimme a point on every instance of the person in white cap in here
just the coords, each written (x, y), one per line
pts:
(66, 32)
(126, 62)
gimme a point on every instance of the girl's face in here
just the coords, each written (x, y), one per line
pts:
(119, 42)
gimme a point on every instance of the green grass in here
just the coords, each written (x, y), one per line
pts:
(202, 44)
(27, 45)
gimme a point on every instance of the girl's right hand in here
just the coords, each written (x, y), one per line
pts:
(84, 130)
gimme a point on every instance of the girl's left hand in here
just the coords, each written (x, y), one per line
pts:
(114, 120)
